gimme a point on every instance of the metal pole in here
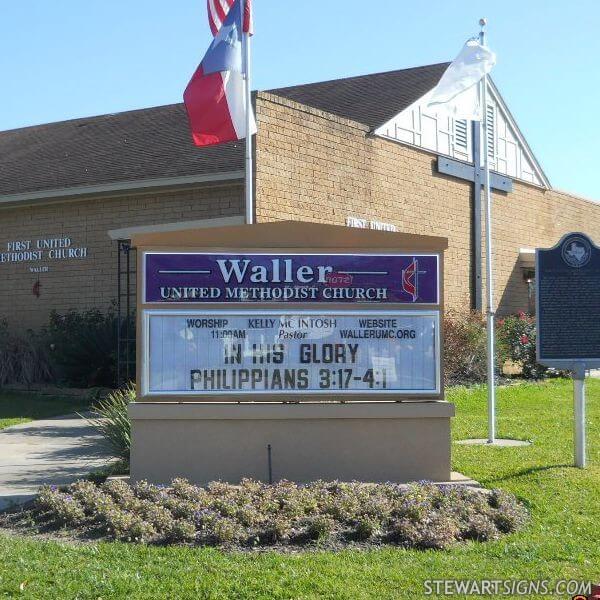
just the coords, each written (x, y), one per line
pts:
(579, 414)
(248, 99)
(270, 463)
(476, 256)
(488, 258)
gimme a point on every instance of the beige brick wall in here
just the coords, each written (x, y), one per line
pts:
(315, 166)
(309, 166)
(530, 217)
(90, 282)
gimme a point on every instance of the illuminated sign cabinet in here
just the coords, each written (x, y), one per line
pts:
(260, 325)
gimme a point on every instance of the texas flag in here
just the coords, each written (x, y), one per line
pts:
(214, 98)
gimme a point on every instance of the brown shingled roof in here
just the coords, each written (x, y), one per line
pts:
(150, 143)
(368, 99)
(155, 143)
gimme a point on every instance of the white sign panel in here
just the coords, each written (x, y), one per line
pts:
(282, 352)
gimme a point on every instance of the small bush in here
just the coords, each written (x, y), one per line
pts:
(437, 531)
(319, 527)
(276, 530)
(184, 490)
(434, 531)
(120, 491)
(140, 531)
(88, 494)
(23, 359)
(181, 531)
(367, 528)
(181, 509)
(83, 347)
(225, 531)
(517, 342)
(420, 515)
(158, 516)
(464, 349)
(63, 508)
(113, 421)
(479, 527)
(508, 514)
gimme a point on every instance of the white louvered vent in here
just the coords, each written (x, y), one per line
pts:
(461, 138)
(491, 131)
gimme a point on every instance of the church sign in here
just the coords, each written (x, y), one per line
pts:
(195, 278)
(289, 350)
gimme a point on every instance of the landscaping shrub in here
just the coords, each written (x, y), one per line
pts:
(516, 342)
(84, 346)
(479, 527)
(277, 530)
(464, 348)
(367, 528)
(113, 422)
(23, 359)
(284, 514)
(508, 515)
(319, 527)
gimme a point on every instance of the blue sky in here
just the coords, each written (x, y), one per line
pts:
(70, 58)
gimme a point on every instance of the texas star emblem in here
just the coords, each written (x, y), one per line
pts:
(410, 279)
(576, 251)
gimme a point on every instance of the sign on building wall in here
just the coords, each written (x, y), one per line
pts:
(47, 250)
(192, 278)
(303, 352)
(568, 302)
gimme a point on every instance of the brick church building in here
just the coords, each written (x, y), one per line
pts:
(361, 151)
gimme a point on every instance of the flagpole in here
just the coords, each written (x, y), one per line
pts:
(491, 383)
(248, 100)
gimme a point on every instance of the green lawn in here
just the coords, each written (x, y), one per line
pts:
(21, 407)
(561, 542)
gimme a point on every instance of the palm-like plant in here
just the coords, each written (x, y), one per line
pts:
(112, 421)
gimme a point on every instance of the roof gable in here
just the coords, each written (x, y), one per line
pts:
(508, 152)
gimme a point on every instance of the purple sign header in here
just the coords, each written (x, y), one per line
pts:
(192, 278)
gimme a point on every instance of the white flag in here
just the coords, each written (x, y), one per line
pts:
(457, 93)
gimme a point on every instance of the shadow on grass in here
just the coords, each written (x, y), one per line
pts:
(38, 407)
(529, 471)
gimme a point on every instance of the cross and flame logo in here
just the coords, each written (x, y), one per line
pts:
(410, 279)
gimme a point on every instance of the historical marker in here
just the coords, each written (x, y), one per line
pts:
(568, 316)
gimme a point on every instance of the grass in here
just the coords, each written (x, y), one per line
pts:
(22, 407)
(561, 541)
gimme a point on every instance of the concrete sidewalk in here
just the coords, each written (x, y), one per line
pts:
(51, 451)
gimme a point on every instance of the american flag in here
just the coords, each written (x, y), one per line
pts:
(218, 9)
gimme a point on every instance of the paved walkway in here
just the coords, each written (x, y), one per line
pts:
(51, 451)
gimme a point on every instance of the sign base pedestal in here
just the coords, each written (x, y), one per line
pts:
(363, 441)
